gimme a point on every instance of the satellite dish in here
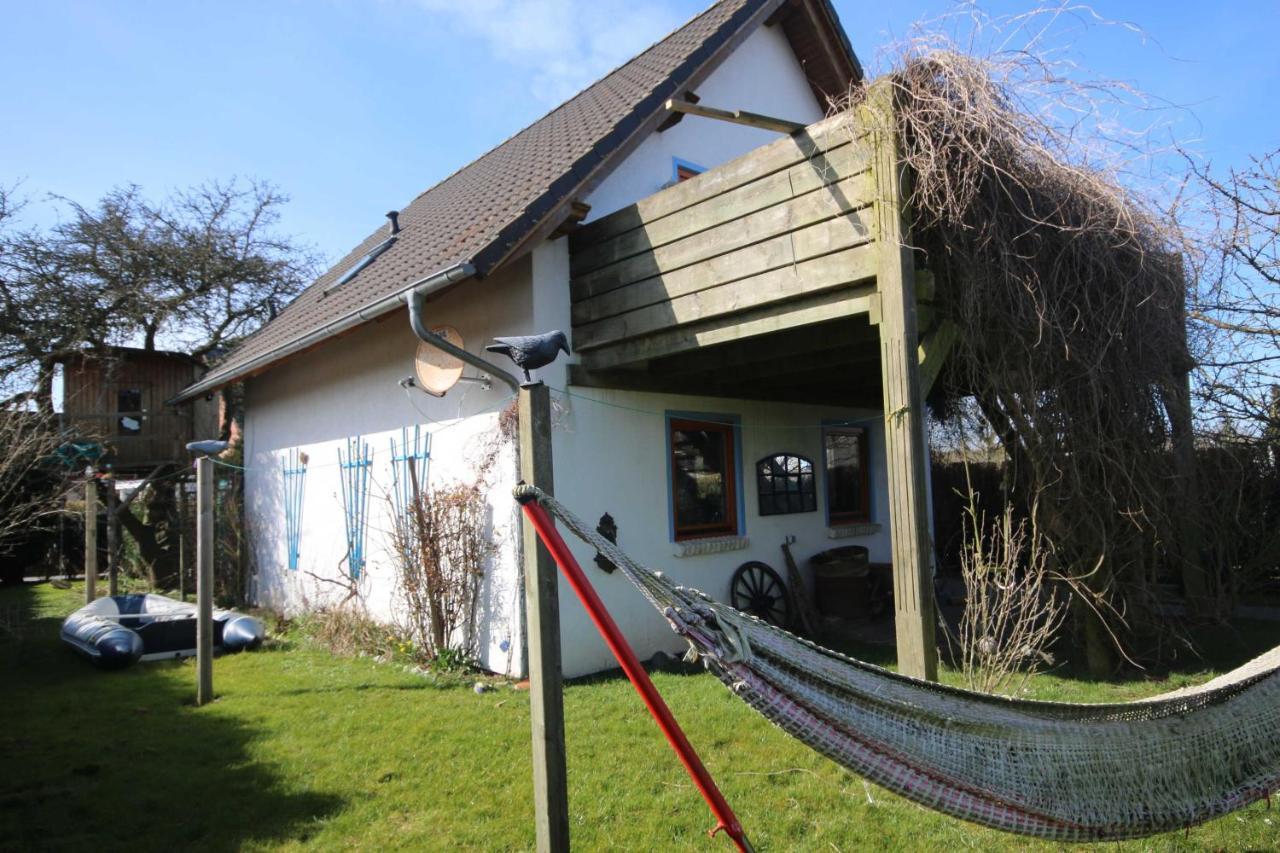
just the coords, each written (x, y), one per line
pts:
(436, 370)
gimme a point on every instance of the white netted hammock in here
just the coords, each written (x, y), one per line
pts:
(1053, 770)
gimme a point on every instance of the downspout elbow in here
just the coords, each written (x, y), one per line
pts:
(416, 300)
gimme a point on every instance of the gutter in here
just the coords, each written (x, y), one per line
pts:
(425, 286)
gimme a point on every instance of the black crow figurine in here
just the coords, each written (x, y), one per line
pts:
(530, 352)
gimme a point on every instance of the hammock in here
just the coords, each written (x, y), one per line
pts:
(1051, 770)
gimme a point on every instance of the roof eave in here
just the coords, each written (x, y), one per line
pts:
(430, 284)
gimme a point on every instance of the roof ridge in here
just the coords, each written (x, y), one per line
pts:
(568, 101)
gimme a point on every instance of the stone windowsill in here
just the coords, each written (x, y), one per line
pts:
(709, 545)
(850, 531)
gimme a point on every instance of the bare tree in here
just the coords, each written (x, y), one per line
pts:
(1236, 308)
(1234, 314)
(195, 272)
(33, 481)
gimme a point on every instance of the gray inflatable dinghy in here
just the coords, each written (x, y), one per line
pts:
(118, 630)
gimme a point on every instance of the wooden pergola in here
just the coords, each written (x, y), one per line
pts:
(783, 275)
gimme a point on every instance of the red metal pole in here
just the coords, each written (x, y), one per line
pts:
(621, 649)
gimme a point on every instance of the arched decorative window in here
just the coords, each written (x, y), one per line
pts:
(784, 482)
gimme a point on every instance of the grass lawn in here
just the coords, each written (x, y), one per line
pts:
(305, 749)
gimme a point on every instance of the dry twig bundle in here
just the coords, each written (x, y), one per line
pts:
(1069, 294)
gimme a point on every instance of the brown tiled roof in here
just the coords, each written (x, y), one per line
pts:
(484, 210)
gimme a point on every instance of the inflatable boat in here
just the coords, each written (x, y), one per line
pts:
(118, 630)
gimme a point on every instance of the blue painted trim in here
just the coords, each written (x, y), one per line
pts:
(354, 468)
(414, 448)
(864, 424)
(294, 471)
(721, 419)
(676, 163)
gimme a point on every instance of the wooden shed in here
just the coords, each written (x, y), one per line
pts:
(119, 396)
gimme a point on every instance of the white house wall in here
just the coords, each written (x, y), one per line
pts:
(350, 387)
(611, 455)
(761, 76)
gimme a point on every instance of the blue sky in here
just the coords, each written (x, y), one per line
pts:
(352, 107)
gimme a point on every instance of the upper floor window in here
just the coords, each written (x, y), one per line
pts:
(784, 484)
(683, 170)
(704, 487)
(129, 405)
(848, 475)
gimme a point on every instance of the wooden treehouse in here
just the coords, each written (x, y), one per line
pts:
(119, 397)
(782, 276)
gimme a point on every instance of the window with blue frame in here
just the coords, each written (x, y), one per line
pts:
(704, 477)
(683, 170)
(848, 474)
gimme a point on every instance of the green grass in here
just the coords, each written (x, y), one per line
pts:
(305, 749)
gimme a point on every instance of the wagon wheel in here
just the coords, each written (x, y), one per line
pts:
(757, 589)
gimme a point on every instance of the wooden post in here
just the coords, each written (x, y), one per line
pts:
(204, 580)
(113, 539)
(183, 520)
(903, 406)
(90, 536)
(542, 618)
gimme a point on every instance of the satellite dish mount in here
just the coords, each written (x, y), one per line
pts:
(436, 371)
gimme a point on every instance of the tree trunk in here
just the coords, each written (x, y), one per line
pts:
(44, 388)
(1099, 651)
(1187, 546)
(157, 538)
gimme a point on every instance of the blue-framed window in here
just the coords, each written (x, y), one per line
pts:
(704, 475)
(683, 170)
(846, 457)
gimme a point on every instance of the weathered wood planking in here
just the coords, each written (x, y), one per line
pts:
(832, 235)
(749, 167)
(782, 284)
(542, 618)
(822, 170)
(904, 439)
(812, 308)
(843, 198)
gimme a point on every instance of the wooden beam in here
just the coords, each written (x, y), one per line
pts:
(204, 580)
(933, 353)
(818, 393)
(805, 341)
(763, 122)
(779, 285)
(903, 404)
(809, 242)
(90, 536)
(113, 538)
(751, 203)
(675, 117)
(796, 150)
(577, 212)
(542, 619)
(815, 308)
(825, 365)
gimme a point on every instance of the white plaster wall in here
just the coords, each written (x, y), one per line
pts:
(350, 387)
(761, 76)
(611, 456)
